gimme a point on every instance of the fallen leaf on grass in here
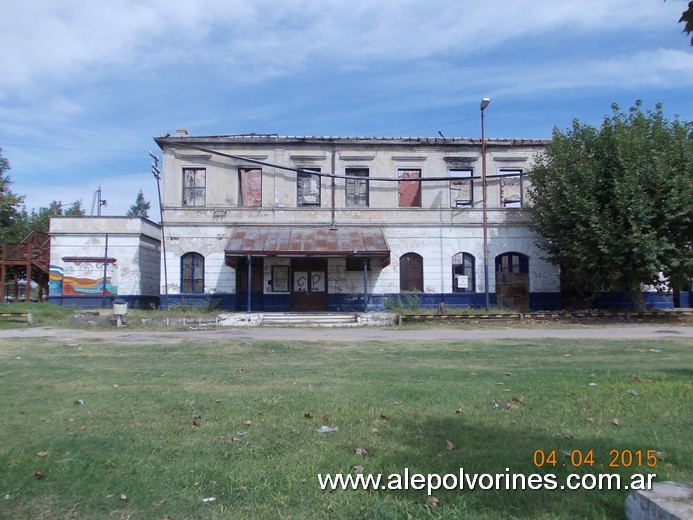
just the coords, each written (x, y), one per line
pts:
(308, 415)
(512, 407)
(615, 422)
(326, 429)
(519, 399)
(358, 469)
(360, 451)
(508, 373)
(41, 453)
(660, 455)
(209, 500)
(39, 475)
(325, 418)
(432, 501)
(123, 498)
(247, 423)
(459, 411)
(449, 446)
(383, 417)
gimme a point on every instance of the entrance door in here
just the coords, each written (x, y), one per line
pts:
(309, 284)
(512, 281)
(256, 289)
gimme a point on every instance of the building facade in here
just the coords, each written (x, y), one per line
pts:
(277, 223)
(94, 260)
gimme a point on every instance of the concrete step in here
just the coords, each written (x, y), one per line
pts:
(303, 319)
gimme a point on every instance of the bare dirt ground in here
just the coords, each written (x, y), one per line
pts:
(349, 334)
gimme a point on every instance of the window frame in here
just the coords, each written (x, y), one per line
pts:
(464, 262)
(191, 191)
(516, 262)
(357, 184)
(506, 175)
(407, 264)
(403, 183)
(460, 180)
(244, 195)
(305, 174)
(194, 282)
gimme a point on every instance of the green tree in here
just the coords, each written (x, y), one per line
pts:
(75, 210)
(687, 20)
(613, 206)
(39, 220)
(140, 208)
(9, 206)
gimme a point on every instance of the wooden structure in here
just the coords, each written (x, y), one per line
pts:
(28, 259)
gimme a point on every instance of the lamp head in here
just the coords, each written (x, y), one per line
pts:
(485, 102)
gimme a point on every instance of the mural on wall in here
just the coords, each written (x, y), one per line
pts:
(82, 279)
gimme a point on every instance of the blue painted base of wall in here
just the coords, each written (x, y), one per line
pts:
(356, 303)
(653, 301)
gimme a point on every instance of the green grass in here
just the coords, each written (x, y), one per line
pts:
(134, 435)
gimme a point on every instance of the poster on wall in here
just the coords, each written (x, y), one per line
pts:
(300, 281)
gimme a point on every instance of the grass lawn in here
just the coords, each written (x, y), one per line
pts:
(142, 431)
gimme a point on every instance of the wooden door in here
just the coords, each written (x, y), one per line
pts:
(309, 284)
(512, 281)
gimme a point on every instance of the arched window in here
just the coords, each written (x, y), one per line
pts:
(512, 263)
(463, 275)
(411, 273)
(192, 273)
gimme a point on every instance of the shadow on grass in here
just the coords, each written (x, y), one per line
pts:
(507, 452)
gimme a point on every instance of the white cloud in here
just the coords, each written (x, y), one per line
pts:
(71, 40)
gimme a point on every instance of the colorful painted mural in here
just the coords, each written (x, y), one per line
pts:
(83, 279)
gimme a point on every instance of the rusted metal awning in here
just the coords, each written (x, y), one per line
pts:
(323, 242)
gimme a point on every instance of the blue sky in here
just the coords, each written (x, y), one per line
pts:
(86, 86)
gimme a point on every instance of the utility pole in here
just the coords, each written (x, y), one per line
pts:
(157, 175)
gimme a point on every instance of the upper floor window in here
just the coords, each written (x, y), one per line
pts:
(194, 186)
(250, 187)
(192, 273)
(357, 189)
(308, 187)
(411, 273)
(461, 188)
(409, 191)
(463, 273)
(511, 188)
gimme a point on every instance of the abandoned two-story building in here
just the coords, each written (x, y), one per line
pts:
(277, 223)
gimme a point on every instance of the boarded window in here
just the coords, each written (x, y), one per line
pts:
(411, 273)
(194, 186)
(461, 188)
(250, 183)
(409, 191)
(192, 273)
(463, 275)
(357, 189)
(511, 189)
(308, 188)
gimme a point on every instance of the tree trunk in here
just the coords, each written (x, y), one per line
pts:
(637, 296)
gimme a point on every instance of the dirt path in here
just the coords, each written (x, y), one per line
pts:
(439, 334)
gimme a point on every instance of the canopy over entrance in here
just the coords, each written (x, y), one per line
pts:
(320, 242)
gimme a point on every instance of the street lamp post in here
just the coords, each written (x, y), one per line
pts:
(484, 103)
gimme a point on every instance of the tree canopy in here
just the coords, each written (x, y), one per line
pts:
(140, 208)
(613, 205)
(10, 214)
